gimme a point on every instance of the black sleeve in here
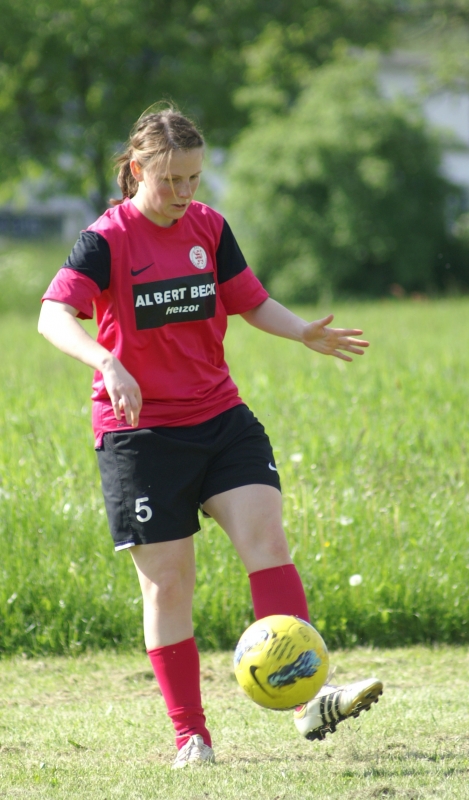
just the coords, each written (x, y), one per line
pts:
(230, 260)
(91, 255)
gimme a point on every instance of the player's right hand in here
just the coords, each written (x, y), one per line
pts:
(124, 392)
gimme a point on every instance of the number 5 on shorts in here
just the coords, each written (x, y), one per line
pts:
(143, 512)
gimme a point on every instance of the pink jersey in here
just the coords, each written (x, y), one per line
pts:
(162, 297)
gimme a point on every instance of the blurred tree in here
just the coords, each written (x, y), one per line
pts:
(341, 193)
(281, 57)
(443, 45)
(64, 90)
(437, 11)
(75, 75)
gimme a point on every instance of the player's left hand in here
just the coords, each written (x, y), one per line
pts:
(331, 341)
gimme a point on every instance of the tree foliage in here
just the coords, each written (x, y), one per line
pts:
(75, 75)
(342, 193)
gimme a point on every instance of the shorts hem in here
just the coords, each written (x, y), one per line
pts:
(124, 545)
(237, 484)
(127, 545)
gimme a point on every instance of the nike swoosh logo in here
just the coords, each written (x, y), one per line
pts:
(274, 469)
(136, 272)
(253, 670)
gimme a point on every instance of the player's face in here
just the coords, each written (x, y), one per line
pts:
(165, 197)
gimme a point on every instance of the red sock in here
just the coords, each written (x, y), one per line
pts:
(278, 590)
(177, 670)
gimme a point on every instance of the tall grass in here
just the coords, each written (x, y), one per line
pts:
(381, 490)
(372, 457)
(26, 267)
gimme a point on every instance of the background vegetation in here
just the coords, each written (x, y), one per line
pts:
(372, 457)
(355, 202)
(75, 75)
(334, 190)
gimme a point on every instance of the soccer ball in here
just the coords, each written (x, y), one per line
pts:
(281, 662)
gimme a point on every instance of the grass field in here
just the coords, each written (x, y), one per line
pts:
(26, 267)
(95, 728)
(373, 461)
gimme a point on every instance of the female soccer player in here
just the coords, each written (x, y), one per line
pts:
(172, 434)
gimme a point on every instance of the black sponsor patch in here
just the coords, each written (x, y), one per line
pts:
(182, 299)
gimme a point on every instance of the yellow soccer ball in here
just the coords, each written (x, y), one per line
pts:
(281, 662)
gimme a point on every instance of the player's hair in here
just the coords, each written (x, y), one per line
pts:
(152, 140)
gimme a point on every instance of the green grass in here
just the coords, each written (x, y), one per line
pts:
(372, 457)
(26, 268)
(95, 727)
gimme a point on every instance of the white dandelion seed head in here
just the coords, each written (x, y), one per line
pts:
(296, 457)
(355, 580)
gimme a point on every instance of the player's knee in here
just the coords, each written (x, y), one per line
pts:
(273, 547)
(170, 590)
(279, 551)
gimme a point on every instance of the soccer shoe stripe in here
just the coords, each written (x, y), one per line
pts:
(322, 710)
(331, 706)
(336, 711)
(326, 711)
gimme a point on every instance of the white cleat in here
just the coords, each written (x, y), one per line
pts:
(333, 704)
(194, 753)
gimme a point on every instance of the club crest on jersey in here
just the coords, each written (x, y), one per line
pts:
(198, 256)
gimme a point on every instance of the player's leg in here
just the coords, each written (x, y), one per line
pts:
(148, 481)
(241, 490)
(166, 572)
(252, 517)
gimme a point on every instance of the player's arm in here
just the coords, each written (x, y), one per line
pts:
(274, 318)
(59, 325)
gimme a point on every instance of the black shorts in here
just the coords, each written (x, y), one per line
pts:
(155, 480)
